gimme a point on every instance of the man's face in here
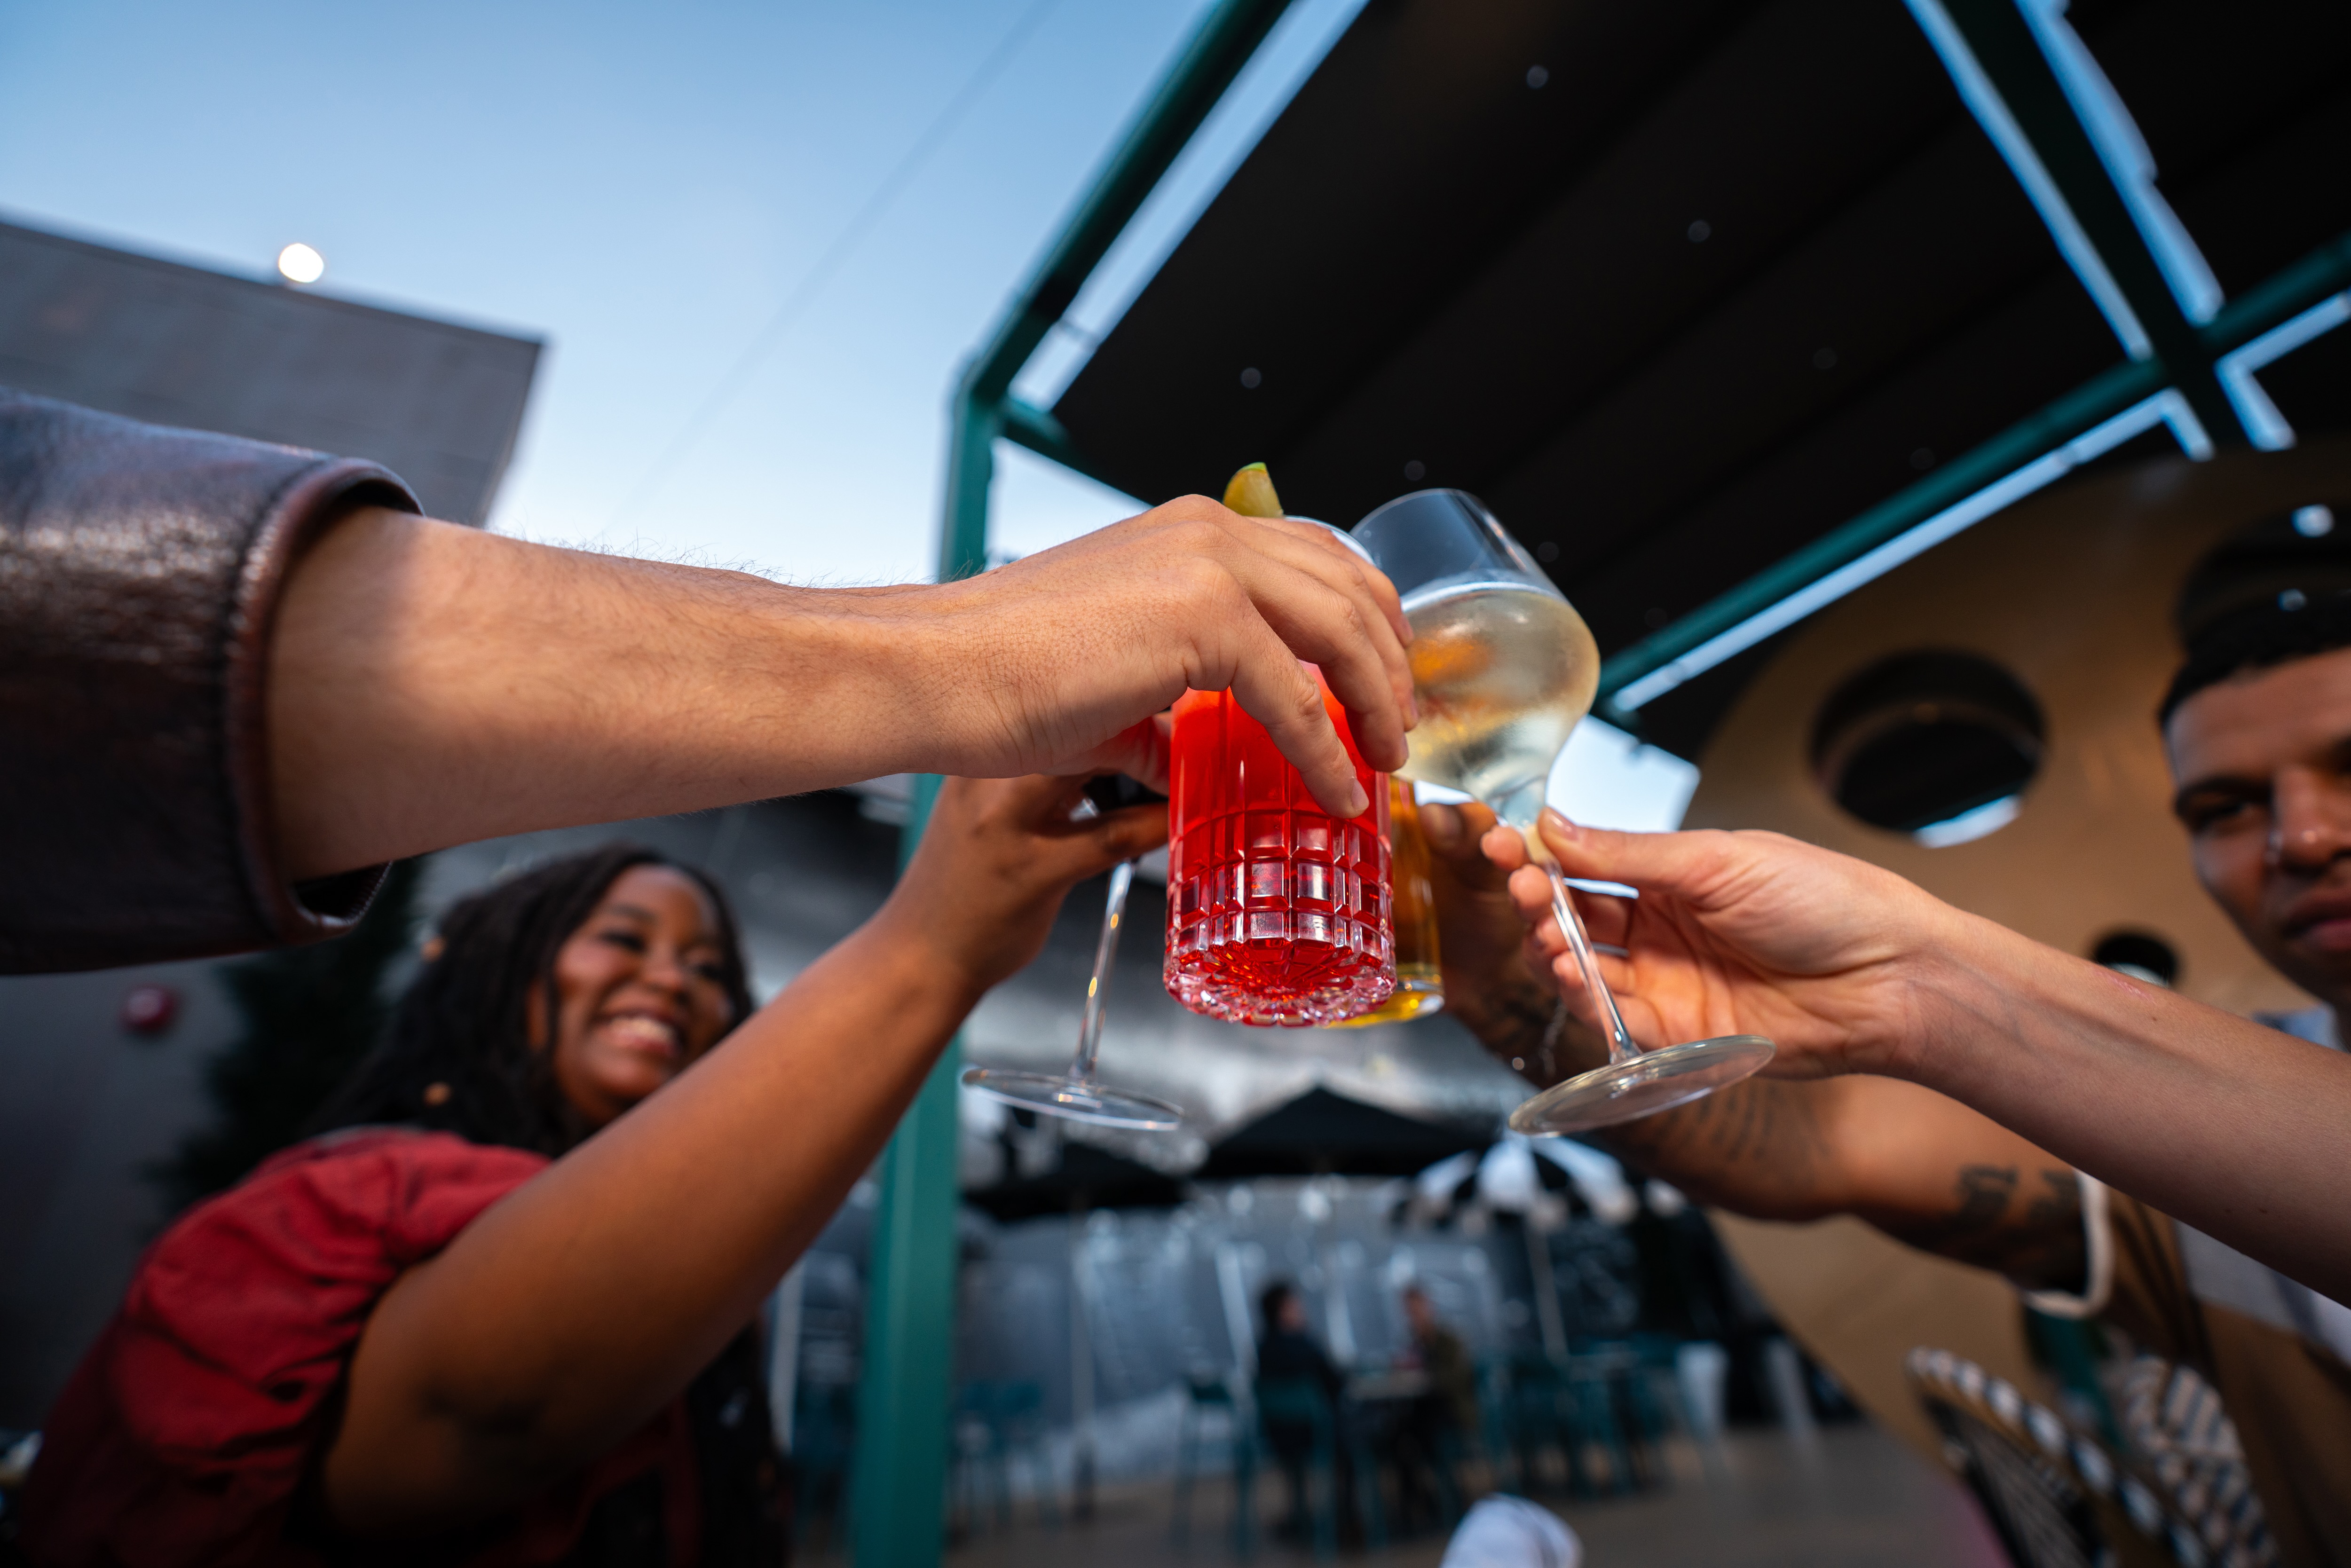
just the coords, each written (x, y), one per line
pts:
(2263, 764)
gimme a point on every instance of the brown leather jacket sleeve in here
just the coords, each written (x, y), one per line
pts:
(139, 572)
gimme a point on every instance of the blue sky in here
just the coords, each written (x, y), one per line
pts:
(645, 187)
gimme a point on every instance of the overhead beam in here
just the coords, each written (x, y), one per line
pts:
(1697, 641)
(1193, 83)
(1027, 426)
(982, 408)
(2002, 44)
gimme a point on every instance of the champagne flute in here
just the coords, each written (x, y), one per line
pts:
(1503, 669)
(1077, 1095)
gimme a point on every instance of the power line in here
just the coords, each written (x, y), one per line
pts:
(813, 284)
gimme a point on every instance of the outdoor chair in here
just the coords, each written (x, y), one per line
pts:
(1209, 1401)
(1021, 1430)
(1543, 1413)
(1614, 1406)
(996, 1424)
(824, 1426)
(1299, 1404)
(1443, 1466)
(1494, 1415)
(2055, 1494)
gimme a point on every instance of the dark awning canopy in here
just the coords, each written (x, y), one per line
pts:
(1085, 1177)
(1320, 1132)
(1681, 289)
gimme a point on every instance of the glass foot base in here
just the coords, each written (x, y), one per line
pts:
(1057, 1094)
(1652, 1081)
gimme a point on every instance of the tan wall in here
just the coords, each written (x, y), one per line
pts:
(2071, 592)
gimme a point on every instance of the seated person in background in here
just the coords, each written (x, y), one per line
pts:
(1289, 1356)
(2224, 1132)
(1442, 1416)
(240, 678)
(503, 1315)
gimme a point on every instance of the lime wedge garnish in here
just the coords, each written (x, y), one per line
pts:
(1250, 493)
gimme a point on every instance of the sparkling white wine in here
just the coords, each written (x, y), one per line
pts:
(1502, 672)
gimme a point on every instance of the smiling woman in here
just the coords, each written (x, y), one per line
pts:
(635, 960)
(547, 1006)
(499, 1310)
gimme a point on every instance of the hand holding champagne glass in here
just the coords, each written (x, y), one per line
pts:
(1078, 1095)
(1503, 669)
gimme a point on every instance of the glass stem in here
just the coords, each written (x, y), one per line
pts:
(1570, 925)
(1081, 1070)
(1521, 807)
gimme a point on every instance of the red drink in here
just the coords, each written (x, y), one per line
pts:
(1277, 911)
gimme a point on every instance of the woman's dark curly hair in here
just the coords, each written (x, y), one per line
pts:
(458, 1055)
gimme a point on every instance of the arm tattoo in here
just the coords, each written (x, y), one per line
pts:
(1521, 1024)
(1756, 1147)
(1984, 1192)
(2037, 1242)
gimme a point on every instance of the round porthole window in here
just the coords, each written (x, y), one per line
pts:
(2141, 955)
(1938, 745)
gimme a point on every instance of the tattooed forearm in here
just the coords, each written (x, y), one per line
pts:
(2029, 1229)
(1758, 1149)
(1522, 1024)
(1984, 1192)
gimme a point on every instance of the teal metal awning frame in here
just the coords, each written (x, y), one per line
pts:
(2006, 58)
(2186, 367)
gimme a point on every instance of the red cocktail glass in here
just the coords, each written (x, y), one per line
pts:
(1278, 912)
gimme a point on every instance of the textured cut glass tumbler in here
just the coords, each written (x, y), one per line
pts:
(1278, 912)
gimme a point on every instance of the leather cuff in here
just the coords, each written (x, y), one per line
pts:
(141, 569)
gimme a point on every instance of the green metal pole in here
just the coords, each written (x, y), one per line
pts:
(1194, 80)
(898, 1483)
(898, 1479)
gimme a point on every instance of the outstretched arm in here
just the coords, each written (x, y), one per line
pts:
(1917, 1164)
(432, 685)
(2233, 1128)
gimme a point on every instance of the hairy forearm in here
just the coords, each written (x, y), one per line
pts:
(575, 1307)
(2236, 1129)
(432, 685)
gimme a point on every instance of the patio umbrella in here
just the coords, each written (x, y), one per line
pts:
(1509, 1175)
(1323, 1133)
(1086, 1178)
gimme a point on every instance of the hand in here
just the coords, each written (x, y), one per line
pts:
(1497, 982)
(1741, 933)
(1059, 656)
(996, 861)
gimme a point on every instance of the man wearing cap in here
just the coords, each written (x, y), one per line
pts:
(1964, 1083)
